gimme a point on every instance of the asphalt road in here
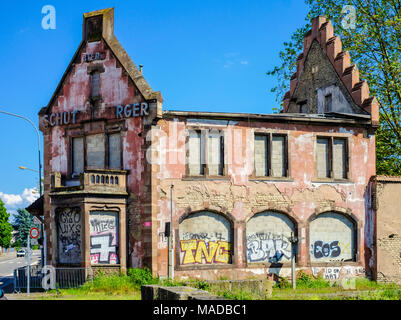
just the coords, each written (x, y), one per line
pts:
(10, 262)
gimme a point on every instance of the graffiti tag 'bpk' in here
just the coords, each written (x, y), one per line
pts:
(270, 250)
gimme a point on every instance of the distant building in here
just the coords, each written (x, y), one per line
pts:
(243, 182)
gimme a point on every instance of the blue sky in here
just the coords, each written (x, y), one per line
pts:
(202, 55)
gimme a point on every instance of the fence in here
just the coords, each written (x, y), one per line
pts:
(65, 277)
(7, 250)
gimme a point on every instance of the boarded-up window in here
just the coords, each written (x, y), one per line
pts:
(278, 156)
(195, 143)
(332, 238)
(205, 239)
(95, 151)
(271, 157)
(339, 159)
(95, 84)
(104, 237)
(332, 158)
(114, 151)
(268, 238)
(261, 155)
(69, 242)
(215, 154)
(323, 159)
(78, 155)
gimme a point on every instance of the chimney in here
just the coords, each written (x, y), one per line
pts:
(98, 24)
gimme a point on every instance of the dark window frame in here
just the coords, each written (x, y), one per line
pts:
(331, 140)
(85, 147)
(204, 134)
(269, 156)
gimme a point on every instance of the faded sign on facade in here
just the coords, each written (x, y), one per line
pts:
(205, 238)
(267, 238)
(69, 227)
(104, 237)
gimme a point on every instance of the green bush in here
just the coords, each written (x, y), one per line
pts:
(141, 277)
(306, 281)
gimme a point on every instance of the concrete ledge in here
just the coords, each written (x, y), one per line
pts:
(155, 292)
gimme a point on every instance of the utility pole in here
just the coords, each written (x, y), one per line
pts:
(170, 239)
(293, 241)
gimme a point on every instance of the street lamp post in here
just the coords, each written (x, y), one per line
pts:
(40, 166)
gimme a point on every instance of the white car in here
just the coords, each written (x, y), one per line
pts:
(21, 253)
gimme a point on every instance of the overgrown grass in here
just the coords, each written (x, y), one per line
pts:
(113, 286)
(108, 287)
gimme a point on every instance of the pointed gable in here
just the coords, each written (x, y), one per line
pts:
(98, 27)
(325, 81)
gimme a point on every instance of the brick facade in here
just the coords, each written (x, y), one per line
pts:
(236, 198)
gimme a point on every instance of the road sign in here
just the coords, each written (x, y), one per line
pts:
(34, 233)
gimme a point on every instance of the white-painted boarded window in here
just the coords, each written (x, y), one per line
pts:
(267, 238)
(114, 151)
(95, 146)
(332, 238)
(215, 154)
(323, 159)
(195, 145)
(261, 155)
(339, 159)
(78, 155)
(278, 156)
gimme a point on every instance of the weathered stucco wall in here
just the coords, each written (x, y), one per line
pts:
(301, 198)
(388, 221)
(95, 118)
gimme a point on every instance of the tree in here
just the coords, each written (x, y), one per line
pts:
(23, 222)
(375, 47)
(5, 227)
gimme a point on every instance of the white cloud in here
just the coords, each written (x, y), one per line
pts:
(244, 62)
(13, 202)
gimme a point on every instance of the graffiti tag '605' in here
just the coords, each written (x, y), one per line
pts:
(324, 250)
(210, 252)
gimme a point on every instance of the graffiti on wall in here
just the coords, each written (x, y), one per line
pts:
(268, 247)
(69, 235)
(335, 273)
(333, 249)
(104, 237)
(205, 238)
(204, 248)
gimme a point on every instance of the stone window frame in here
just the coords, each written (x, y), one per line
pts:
(287, 156)
(358, 231)
(177, 262)
(298, 225)
(204, 130)
(347, 145)
(84, 135)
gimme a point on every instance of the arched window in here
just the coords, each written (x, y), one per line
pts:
(332, 238)
(267, 238)
(205, 238)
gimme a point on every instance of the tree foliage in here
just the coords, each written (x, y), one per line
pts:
(375, 47)
(5, 227)
(23, 222)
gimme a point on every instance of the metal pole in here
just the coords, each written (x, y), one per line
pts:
(293, 277)
(45, 246)
(171, 240)
(29, 265)
(40, 161)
